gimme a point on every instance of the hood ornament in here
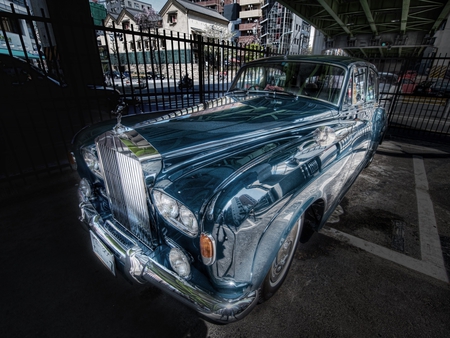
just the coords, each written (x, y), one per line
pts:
(119, 128)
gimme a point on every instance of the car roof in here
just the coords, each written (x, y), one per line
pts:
(343, 61)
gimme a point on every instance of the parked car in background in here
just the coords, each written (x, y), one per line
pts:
(407, 86)
(387, 85)
(232, 61)
(155, 76)
(209, 203)
(409, 74)
(390, 84)
(434, 87)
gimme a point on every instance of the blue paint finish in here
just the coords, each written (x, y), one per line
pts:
(247, 166)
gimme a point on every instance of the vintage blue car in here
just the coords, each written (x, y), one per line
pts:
(210, 202)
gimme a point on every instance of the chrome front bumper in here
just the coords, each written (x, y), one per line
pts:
(145, 268)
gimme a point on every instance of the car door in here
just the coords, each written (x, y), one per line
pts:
(360, 101)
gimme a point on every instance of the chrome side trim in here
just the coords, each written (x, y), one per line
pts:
(143, 268)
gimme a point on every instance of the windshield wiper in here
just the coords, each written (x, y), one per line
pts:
(236, 91)
(281, 92)
(245, 91)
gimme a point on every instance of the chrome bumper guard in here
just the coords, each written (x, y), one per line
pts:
(143, 268)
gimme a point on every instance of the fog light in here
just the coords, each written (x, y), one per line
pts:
(179, 263)
(85, 188)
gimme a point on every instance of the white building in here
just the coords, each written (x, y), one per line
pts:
(120, 42)
(191, 19)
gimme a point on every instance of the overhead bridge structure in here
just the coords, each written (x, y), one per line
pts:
(377, 28)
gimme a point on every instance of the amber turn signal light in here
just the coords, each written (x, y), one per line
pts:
(207, 249)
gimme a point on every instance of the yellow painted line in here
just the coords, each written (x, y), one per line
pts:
(425, 100)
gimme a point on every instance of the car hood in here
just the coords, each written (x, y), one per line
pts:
(196, 148)
(230, 122)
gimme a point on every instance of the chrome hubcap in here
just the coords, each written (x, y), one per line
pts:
(284, 256)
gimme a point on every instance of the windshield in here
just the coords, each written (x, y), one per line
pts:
(317, 80)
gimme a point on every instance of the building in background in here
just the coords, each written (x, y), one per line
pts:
(116, 6)
(17, 32)
(265, 22)
(231, 13)
(216, 5)
(251, 15)
(189, 18)
(283, 31)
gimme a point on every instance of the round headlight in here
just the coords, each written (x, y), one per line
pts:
(179, 263)
(176, 213)
(91, 160)
(166, 205)
(85, 188)
(188, 219)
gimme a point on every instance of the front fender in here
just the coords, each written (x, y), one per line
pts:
(275, 235)
(248, 237)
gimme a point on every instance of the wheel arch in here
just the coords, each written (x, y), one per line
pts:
(313, 210)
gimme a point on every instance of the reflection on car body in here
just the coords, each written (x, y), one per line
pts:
(210, 202)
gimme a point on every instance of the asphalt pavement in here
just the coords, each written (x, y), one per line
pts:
(379, 268)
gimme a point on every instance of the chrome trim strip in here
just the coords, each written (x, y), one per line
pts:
(143, 268)
(120, 159)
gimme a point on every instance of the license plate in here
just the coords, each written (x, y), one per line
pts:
(103, 253)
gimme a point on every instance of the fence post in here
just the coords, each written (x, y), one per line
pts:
(201, 69)
(446, 109)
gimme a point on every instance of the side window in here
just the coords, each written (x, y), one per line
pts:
(357, 86)
(361, 84)
(372, 86)
(349, 91)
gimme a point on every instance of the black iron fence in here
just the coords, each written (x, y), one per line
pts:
(63, 85)
(416, 93)
(160, 70)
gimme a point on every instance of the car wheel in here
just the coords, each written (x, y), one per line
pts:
(281, 263)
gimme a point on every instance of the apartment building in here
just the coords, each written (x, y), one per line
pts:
(265, 22)
(116, 6)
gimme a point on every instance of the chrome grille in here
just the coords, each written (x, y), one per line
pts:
(124, 180)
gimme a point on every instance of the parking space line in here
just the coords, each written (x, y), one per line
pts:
(383, 252)
(430, 244)
(432, 261)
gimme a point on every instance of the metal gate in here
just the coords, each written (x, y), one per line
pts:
(416, 94)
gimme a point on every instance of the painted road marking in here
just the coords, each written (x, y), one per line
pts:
(383, 252)
(425, 100)
(430, 244)
(432, 262)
